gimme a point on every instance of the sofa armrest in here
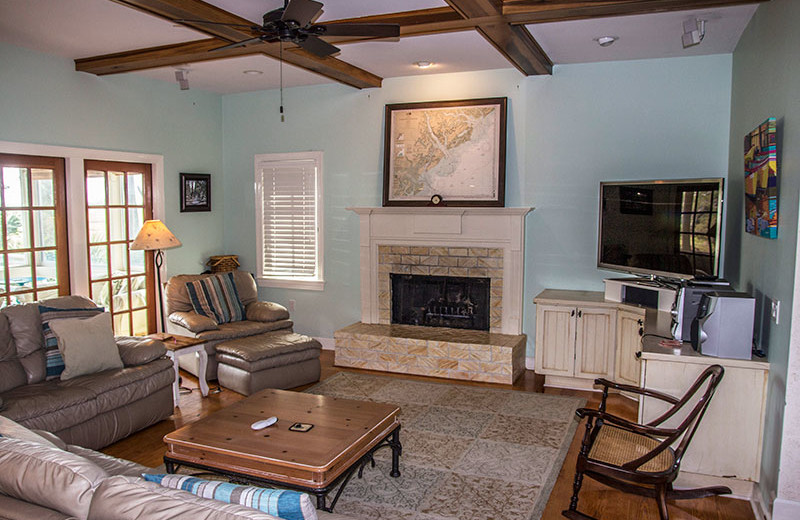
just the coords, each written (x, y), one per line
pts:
(193, 321)
(266, 312)
(139, 351)
(52, 438)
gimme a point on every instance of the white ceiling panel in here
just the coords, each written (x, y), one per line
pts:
(333, 9)
(641, 36)
(82, 28)
(453, 52)
(228, 77)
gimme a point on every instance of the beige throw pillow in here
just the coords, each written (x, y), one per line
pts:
(87, 345)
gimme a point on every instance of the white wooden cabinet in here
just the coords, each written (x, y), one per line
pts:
(728, 441)
(576, 341)
(555, 339)
(630, 327)
(594, 342)
(580, 335)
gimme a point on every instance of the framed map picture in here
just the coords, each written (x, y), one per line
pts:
(450, 152)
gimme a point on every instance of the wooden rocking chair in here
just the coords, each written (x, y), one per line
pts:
(640, 458)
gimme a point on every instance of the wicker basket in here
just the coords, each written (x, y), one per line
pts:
(223, 263)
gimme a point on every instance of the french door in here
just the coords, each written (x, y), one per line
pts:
(34, 263)
(118, 201)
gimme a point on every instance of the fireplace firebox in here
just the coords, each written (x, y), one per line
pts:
(441, 301)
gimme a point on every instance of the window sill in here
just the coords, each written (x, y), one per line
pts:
(284, 283)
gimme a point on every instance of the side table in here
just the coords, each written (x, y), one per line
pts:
(178, 345)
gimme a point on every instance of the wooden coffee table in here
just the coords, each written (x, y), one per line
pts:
(345, 436)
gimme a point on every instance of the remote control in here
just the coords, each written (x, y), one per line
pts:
(260, 425)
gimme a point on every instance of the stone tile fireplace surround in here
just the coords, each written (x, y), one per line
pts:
(464, 242)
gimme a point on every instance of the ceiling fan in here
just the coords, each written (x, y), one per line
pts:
(294, 23)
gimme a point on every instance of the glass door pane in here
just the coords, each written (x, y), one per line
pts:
(118, 200)
(34, 263)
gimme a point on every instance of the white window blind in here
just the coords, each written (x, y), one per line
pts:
(288, 198)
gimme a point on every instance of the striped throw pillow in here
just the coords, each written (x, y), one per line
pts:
(289, 505)
(216, 297)
(54, 361)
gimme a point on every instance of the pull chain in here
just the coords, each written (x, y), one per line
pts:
(281, 79)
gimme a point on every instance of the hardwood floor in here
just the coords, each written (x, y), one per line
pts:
(146, 447)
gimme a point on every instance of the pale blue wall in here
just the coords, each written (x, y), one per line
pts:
(44, 101)
(766, 79)
(651, 119)
(567, 132)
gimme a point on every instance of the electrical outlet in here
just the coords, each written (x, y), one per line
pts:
(291, 305)
(775, 311)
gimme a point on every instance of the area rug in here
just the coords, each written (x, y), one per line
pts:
(469, 453)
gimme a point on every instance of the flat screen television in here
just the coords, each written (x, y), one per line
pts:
(666, 228)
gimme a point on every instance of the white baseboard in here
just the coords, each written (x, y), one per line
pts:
(783, 509)
(327, 343)
(760, 509)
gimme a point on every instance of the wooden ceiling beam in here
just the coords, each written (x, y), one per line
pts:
(546, 11)
(175, 10)
(512, 41)
(198, 51)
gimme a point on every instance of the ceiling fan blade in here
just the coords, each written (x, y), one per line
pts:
(235, 44)
(301, 11)
(247, 26)
(318, 46)
(375, 30)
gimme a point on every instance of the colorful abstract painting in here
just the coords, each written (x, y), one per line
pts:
(761, 180)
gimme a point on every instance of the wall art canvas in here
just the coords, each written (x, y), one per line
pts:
(445, 152)
(761, 180)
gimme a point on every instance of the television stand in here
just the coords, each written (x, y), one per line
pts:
(646, 292)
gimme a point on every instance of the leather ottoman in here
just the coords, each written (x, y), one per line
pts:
(278, 359)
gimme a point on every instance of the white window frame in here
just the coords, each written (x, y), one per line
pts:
(316, 282)
(76, 185)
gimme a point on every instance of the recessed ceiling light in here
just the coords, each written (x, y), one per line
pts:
(605, 41)
(423, 64)
(252, 72)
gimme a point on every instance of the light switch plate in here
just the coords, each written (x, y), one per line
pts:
(775, 311)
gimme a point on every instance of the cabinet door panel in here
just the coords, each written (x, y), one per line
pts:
(594, 342)
(555, 340)
(628, 366)
(728, 440)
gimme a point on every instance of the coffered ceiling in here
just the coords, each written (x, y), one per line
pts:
(143, 37)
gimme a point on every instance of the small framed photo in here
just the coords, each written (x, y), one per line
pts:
(195, 192)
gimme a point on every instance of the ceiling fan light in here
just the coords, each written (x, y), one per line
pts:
(605, 41)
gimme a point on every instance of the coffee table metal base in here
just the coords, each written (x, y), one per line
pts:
(391, 441)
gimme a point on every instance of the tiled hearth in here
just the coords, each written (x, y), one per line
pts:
(442, 261)
(461, 242)
(432, 351)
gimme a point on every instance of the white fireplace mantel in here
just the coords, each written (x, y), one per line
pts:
(501, 228)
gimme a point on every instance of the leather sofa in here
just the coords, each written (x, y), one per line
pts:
(48, 479)
(92, 410)
(261, 351)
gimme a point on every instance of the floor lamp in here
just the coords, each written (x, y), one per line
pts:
(154, 236)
